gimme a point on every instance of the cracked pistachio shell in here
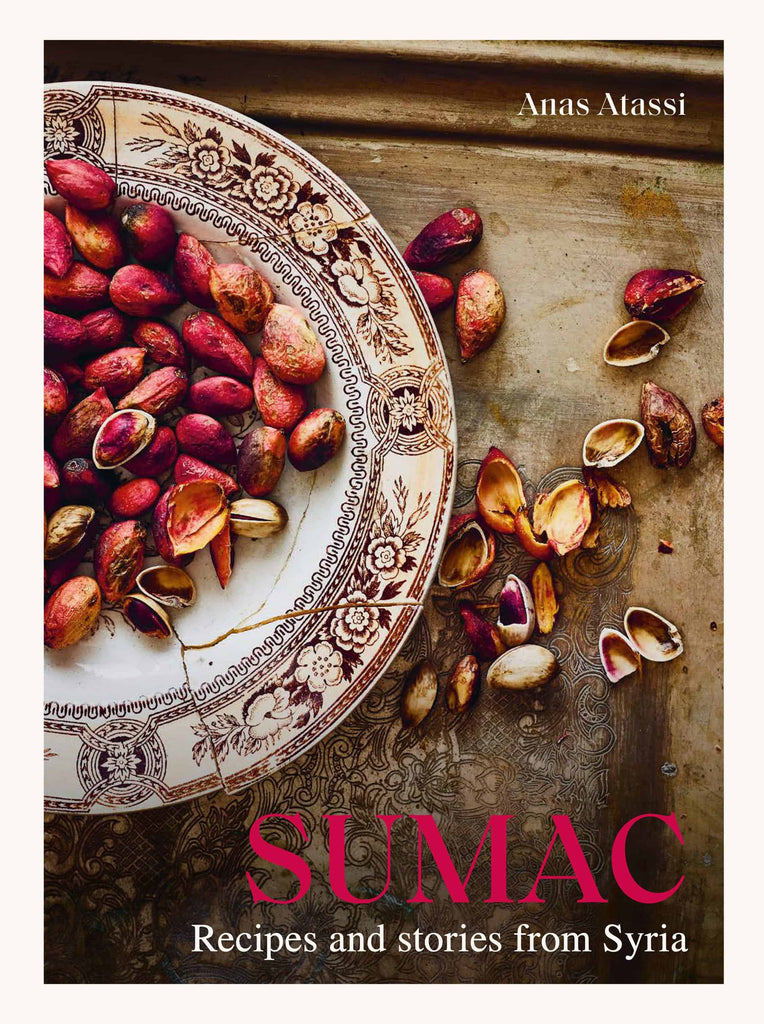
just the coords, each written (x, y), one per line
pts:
(147, 616)
(517, 615)
(638, 341)
(618, 655)
(654, 637)
(167, 585)
(611, 442)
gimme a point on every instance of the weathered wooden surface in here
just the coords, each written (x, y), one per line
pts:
(565, 228)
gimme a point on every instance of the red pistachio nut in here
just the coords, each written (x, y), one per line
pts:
(157, 457)
(97, 237)
(660, 294)
(81, 183)
(80, 290)
(63, 334)
(161, 343)
(192, 265)
(480, 312)
(55, 396)
(483, 635)
(712, 418)
(450, 236)
(51, 483)
(437, 291)
(106, 329)
(261, 460)
(205, 438)
(77, 432)
(196, 512)
(57, 254)
(117, 371)
(134, 498)
(189, 469)
(242, 296)
(221, 552)
(281, 405)
(215, 345)
(669, 427)
(316, 439)
(150, 233)
(158, 392)
(220, 396)
(71, 372)
(469, 552)
(71, 612)
(82, 484)
(499, 491)
(140, 291)
(121, 437)
(290, 347)
(118, 558)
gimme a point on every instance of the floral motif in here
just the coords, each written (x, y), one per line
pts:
(270, 188)
(60, 133)
(267, 715)
(386, 556)
(209, 159)
(407, 410)
(313, 227)
(344, 256)
(319, 666)
(357, 281)
(264, 717)
(121, 763)
(356, 626)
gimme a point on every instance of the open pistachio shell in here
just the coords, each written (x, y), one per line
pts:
(122, 436)
(147, 616)
(654, 637)
(499, 491)
(611, 442)
(517, 615)
(168, 585)
(618, 656)
(565, 514)
(637, 342)
(469, 552)
(523, 668)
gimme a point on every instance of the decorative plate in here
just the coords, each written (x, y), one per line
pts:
(133, 723)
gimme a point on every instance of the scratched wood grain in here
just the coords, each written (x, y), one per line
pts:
(571, 210)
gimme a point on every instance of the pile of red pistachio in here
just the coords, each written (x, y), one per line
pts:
(115, 467)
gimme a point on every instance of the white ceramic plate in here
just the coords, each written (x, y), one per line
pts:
(133, 723)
